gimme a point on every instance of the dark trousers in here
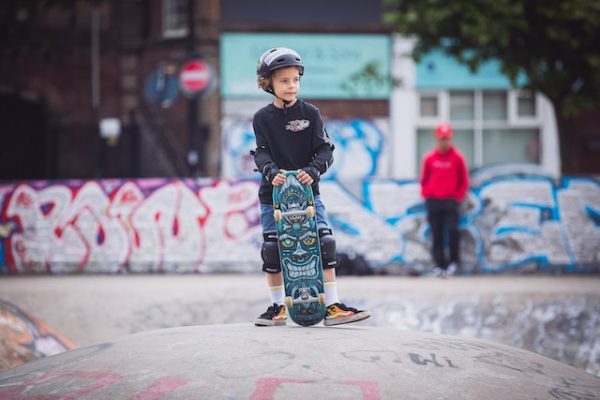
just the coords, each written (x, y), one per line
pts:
(442, 215)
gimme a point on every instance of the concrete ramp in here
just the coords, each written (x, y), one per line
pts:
(240, 361)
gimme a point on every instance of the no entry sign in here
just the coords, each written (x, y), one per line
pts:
(194, 77)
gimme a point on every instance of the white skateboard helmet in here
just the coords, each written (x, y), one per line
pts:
(278, 57)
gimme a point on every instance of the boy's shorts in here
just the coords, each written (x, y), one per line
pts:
(267, 220)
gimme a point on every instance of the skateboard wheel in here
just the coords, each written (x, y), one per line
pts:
(322, 298)
(310, 211)
(288, 301)
(277, 215)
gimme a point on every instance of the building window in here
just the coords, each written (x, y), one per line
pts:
(526, 105)
(175, 18)
(428, 105)
(462, 106)
(490, 126)
(511, 146)
(495, 106)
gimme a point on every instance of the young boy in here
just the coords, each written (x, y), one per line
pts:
(290, 136)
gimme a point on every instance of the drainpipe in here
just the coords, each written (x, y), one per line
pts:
(95, 84)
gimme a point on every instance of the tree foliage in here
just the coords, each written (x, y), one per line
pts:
(555, 44)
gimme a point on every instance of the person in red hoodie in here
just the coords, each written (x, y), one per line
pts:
(444, 184)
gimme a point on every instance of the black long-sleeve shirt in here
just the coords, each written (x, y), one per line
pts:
(290, 139)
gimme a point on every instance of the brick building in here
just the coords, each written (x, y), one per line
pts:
(66, 69)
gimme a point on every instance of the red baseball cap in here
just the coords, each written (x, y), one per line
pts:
(443, 130)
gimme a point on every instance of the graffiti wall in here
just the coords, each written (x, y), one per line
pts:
(158, 225)
(136, 226)
(508, 223)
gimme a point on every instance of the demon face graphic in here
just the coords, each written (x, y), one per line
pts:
(298, 241)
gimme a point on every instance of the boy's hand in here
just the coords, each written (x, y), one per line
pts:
(279, 178)
(305, 178)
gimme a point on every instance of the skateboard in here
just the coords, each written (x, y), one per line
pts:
(299, 250)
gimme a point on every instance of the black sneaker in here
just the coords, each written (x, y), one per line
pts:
(275, 315)
(339, 313)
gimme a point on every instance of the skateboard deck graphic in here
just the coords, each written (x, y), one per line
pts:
(299, 251)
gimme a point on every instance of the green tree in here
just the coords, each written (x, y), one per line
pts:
(554, 44)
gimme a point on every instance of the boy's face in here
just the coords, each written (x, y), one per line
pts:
(286, 83)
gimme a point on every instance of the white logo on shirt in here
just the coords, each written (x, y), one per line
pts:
(442, 164)
(297, 125)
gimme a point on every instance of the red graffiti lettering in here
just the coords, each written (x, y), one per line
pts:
(266, 387)
(160, 387)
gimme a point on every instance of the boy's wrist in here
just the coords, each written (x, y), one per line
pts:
(271, 172)
(312, 171)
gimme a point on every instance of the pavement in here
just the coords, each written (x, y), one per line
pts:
(93, 308)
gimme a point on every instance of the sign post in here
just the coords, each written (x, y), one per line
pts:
(195, 77)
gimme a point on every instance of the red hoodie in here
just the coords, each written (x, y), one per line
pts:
(444, 175)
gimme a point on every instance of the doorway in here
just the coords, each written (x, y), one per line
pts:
(27, 148)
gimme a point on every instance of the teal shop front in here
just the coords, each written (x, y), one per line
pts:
(333, 63)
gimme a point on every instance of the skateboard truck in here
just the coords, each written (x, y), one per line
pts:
(309, 212)
(304, 298)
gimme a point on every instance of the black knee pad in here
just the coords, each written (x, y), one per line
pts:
(327, 248)
(270, 254)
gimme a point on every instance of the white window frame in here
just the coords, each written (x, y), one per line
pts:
(477, 125)
(168, 32)
(430, 93)
(513, 112)
(494, 122)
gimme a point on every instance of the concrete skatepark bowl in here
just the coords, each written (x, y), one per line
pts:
(240, 361)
